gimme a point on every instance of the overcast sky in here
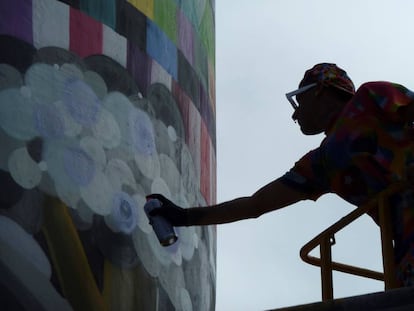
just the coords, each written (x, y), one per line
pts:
(263, 49)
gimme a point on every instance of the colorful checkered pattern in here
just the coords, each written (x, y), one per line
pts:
(103, 102)
(166, 41)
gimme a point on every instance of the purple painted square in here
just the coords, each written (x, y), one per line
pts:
(204, 105)
(206, 112)
(16, 19)
(185, 37)
(137, 65)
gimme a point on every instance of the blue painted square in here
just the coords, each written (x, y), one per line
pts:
(161, 49)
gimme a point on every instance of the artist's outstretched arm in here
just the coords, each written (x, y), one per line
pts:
(271, 197)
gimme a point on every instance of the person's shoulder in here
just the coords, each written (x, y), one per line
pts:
(376, 84)
(389, 96)
(379, 85)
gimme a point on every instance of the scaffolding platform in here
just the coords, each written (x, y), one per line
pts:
(400, 299)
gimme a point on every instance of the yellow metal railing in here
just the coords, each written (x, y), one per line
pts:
(326, 239)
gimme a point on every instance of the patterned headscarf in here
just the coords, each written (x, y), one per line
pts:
(329, 75)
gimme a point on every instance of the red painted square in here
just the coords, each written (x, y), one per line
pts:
(213, 177)
(183, 102)
(205, 175)
(85, 34)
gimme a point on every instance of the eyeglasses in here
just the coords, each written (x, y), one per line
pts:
(300, 90)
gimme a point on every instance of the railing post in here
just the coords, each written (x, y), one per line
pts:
(386, 241)
(326, 268)
(326, 239)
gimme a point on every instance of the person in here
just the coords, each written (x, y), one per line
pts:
(368, 145)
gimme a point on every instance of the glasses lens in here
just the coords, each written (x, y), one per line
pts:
(291, 96)
(292, 101)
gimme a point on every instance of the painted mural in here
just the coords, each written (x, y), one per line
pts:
(102, 103)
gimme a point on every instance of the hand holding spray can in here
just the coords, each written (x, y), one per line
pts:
(162, 227)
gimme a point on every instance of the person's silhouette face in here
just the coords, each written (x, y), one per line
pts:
(315, 110)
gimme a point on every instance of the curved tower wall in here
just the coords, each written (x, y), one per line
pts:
(102, 103)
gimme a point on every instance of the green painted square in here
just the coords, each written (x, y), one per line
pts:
(201, 62)
(101, 10)
(165, 16)
(207, 32)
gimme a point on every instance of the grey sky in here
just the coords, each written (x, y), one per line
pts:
(263, 49)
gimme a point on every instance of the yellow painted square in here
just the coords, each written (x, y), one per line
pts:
(145, 6)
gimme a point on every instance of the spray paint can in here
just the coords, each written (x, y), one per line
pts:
(163, 229)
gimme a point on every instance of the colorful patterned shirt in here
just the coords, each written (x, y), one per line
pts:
(368, 147)
(365, 150)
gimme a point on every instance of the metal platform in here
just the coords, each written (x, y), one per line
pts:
(401, 299)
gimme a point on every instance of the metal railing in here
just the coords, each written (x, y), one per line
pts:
(326, 239)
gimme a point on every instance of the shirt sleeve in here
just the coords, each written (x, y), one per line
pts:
(307, 176)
